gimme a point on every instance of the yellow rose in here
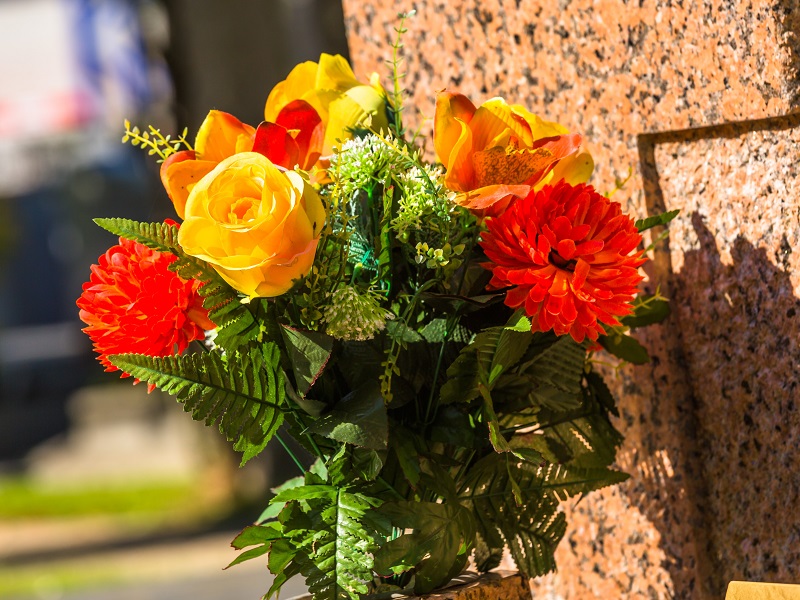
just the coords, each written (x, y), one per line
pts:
(257, 225)
(341, 101)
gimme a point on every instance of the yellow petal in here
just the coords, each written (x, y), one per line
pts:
(494, 119)
(539, 127)
(574, 169)
(299, 84)
(334, 73)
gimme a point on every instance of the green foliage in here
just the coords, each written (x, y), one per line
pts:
(516, 503)
(493, 352)
(308, 352)
(655, 221)
(327, 533)
(437, 547)
(624, 347)
(359, 418)
(647, 310)
(244, 392)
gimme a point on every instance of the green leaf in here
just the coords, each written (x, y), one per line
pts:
(436, 332)
(359, 418)
(236, 325)
(555, 373)
(255, 535)
(309, 352)
(402, 442)
(647, 311)
(401, 332)
(625, 347)
(244, 393)
(441, 539)
(307, 492)
(519, 322)
(333, 541)
(517, 504)
(355, 462)
(650, 222)
(492, 352)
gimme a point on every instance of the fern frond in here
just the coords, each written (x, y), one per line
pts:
(244, 393)
(533, 528)
(335, 540)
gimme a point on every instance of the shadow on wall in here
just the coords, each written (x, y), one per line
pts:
(741, 337)
(736, 324)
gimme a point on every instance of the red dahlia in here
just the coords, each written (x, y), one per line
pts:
(133, 303)
(569, 256)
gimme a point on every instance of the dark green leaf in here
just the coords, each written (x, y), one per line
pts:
(309, 352)
(647, 312)
(359, 418)
(625, 347)
(662, 219)
(441, 539)
(400, 331)
(402, 442)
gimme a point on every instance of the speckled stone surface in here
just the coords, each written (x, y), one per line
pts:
(736, 284)
(700, 100)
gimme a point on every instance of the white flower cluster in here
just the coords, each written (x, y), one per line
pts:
(353, 316)
(361, 162)
(424, 196)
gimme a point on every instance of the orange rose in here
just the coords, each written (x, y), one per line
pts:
(499, 151)
(256, 224)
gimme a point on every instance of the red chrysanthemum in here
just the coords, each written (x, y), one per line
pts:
(133, 303)
(569, 256)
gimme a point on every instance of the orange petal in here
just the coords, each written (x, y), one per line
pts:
(453, 113)
(492, 200)
(179, 174)
(222, 135)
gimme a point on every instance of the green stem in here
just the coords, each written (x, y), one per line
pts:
(291, 454)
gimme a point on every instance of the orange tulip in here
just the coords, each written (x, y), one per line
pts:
(221, 135)
(293, 140)
(498, 151)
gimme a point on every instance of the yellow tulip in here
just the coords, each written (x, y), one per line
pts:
(257, 225)
(342, 101)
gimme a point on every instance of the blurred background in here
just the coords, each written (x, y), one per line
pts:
(107, 492)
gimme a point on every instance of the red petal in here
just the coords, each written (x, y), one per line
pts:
(300, 117)
(276, 143)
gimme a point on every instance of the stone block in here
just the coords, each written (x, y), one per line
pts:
(700, 100)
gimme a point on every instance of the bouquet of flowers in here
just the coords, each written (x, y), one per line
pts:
(425, 330)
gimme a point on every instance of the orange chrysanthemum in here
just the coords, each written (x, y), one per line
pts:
(133, 303)
(569, 256)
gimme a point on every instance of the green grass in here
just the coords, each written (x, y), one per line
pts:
(52, 582)
(21, 498)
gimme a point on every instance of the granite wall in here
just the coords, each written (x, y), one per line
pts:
(702, 100)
